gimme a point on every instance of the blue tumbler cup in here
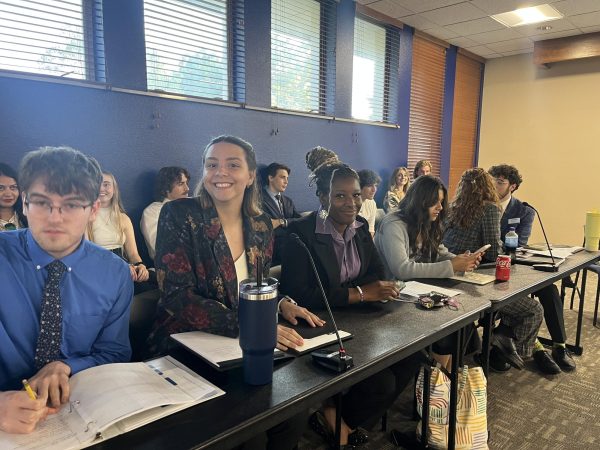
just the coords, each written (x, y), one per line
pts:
(257, 317)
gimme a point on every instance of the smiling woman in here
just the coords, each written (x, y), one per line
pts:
(11, 210)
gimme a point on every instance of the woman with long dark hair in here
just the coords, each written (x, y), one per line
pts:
(11, 208)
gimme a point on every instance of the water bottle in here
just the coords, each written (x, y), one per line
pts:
(257, 316)
(511, 242)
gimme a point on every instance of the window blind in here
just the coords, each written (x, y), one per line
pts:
(426, 103)
(302, 55)
(465, 118)
(52, 37)
(187, 47)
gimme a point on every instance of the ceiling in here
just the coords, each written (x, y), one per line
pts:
(467, 24)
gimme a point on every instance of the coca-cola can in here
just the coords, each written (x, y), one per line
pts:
(503, 268)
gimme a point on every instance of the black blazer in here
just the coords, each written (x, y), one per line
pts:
(297, 278)
(270, 207)
(517, 210)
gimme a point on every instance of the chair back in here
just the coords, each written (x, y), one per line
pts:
(143, 313)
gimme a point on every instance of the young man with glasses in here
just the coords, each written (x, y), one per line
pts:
(65, 301)
(516, 214)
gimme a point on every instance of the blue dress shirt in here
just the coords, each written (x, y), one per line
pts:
(96, 292)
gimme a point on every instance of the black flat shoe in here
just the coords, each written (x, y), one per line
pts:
(497, 361)
(506, 345)
(320, 426)
(545, 363)
(562, 357)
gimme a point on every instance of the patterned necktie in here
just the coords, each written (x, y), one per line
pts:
(50, 337)
(280, 204)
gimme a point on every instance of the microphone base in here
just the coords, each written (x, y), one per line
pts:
(332, 360)
(545, 267)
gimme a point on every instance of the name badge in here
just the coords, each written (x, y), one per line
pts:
(514, 220)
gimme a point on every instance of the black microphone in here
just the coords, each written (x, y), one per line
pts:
(339, 361)
(544, 267)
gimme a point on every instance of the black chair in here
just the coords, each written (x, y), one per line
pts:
(143, 311)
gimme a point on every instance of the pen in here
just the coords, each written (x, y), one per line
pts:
(30, 392)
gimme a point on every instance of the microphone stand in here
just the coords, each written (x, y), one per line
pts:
(544, 267)
(338, 361)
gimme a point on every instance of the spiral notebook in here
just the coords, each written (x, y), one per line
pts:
(112, 399)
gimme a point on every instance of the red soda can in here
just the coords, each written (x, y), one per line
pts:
(503, 268)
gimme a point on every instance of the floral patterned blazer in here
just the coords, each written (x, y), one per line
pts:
(196, 272)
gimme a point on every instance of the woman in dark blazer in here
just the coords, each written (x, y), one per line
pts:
(351, 272)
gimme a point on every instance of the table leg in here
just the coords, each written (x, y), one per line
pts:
(578, 350)
(338, 420)
(456, 356)
(488, 325)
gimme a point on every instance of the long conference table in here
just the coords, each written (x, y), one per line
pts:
(383, 334)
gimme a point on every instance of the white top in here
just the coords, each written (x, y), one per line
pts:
(149, 225)
(241, 269)
(106, 232)
(369, 212)
(504, 203)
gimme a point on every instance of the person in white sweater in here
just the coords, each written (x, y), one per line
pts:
(409, 242)
(369, 181)
(171, 183)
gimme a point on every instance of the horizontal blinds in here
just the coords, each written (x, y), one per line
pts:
(49, 37)
(187, 47)
(426, 103)
(368, 70)
(302, 54)
(465, 118)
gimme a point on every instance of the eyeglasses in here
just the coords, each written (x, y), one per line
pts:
(501, 181)
(43, 207)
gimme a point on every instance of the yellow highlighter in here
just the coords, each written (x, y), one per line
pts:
(30, 392)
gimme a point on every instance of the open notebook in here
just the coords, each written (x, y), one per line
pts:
(224, 353)
(113, 399)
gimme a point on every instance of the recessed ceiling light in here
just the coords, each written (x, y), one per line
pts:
(544, 28)
(528, 16)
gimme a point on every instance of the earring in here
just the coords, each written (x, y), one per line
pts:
(323, 214)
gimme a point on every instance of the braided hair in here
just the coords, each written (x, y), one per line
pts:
(325, 167)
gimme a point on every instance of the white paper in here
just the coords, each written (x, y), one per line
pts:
(212, 347)
(415, 289)
(560, 252)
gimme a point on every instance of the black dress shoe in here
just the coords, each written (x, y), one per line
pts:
(507, 346)
(497, 361)
(545, 363)
(562, 357)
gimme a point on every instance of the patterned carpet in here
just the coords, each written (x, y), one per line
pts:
(526, 410)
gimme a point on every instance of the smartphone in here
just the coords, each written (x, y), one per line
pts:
(482, 249)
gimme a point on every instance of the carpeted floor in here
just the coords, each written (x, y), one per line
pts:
(526, 409)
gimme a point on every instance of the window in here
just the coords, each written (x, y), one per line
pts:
(376, 52)
(187, 47)
(53, 37)
(302, 55)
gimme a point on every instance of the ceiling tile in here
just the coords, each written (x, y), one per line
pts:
(419, 6)
(575, 7)
(558, 34)
(461, 12)
(585, 20)
(418, 22)
(534, 29)
(482, 25)
(495, 36)
(517, 52)
(512, 45)
(442, 33)
(463, 42)
(500, 6)
(593, 29)
(390, 8)
(482, 50)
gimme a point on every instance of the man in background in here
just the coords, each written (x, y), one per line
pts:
(171, 183)
(516, 214)
(65, 301)
(277, 206)
(423, 167)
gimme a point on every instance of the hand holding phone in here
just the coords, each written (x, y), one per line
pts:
(482, 249)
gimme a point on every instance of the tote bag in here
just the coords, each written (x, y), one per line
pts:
(471, 417)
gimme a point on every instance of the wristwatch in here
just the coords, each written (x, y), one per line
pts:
(283, 223)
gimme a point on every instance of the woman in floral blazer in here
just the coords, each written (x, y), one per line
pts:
(199, 242)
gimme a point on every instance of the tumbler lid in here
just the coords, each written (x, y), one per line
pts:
(266, 291)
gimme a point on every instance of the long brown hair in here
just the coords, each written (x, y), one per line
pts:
(395, 173)
(422, 194)
(251, 202)
(475, 190)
